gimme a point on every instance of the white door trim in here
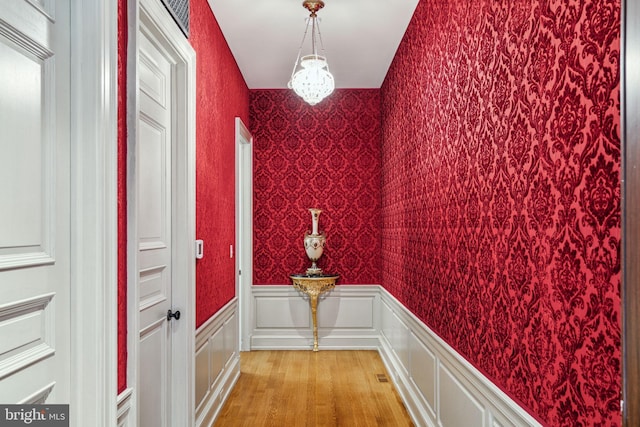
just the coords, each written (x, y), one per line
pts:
(94, 212)
(630, 125)
(244, 230)
(183, 342)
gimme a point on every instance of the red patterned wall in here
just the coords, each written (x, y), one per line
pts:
(501, 195)
(122, 195)
(326, 156)
(221, 96)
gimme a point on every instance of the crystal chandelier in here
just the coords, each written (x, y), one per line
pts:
(312, 81)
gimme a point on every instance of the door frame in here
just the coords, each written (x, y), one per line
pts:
(244, 230)
(183, 209)
(630, 124)
(94, 302)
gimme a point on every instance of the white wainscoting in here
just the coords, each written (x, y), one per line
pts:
(124, 412)
(347, 318)
(438, 386)
(217, 362)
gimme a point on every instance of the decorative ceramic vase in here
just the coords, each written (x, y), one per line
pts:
(314, 243)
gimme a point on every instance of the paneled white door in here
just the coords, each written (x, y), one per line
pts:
(35, 184)
(154, 168)
(162, 218)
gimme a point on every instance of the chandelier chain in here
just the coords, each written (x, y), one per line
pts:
(321, 44)
(304, 36)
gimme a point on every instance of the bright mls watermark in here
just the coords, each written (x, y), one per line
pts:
(34, 415)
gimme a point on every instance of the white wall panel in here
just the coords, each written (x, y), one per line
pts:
(282, 312)
(457, 407)
(202, 373)
(230, 332)
(216, 354)
(345, 312)
(346, 318)
(397, 333)
(423, 371)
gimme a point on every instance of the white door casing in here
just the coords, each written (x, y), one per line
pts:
(244, 230)
(161, 205)
(94, 89)
(57, 199)
(35, 184)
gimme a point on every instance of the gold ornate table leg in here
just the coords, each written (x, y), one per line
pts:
(313, 300)
(314, 286)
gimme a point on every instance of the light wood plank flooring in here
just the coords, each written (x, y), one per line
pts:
(306, 388)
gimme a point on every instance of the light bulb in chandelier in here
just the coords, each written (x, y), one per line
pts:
(310, 78)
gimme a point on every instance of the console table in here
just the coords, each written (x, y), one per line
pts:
(314, 286)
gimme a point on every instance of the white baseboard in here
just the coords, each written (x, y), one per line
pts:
(217, 362)
(438, 386)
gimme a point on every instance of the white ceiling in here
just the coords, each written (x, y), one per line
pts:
(360, 38)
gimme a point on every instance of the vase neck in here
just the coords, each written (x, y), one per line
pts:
(315, 216)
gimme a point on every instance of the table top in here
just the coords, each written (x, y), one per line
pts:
(314, 276)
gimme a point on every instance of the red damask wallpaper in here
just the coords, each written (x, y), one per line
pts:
(328, 157)
(501, 195)
(222, 95)
(122, 195)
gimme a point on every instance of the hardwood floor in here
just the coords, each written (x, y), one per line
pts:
(306, 388)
